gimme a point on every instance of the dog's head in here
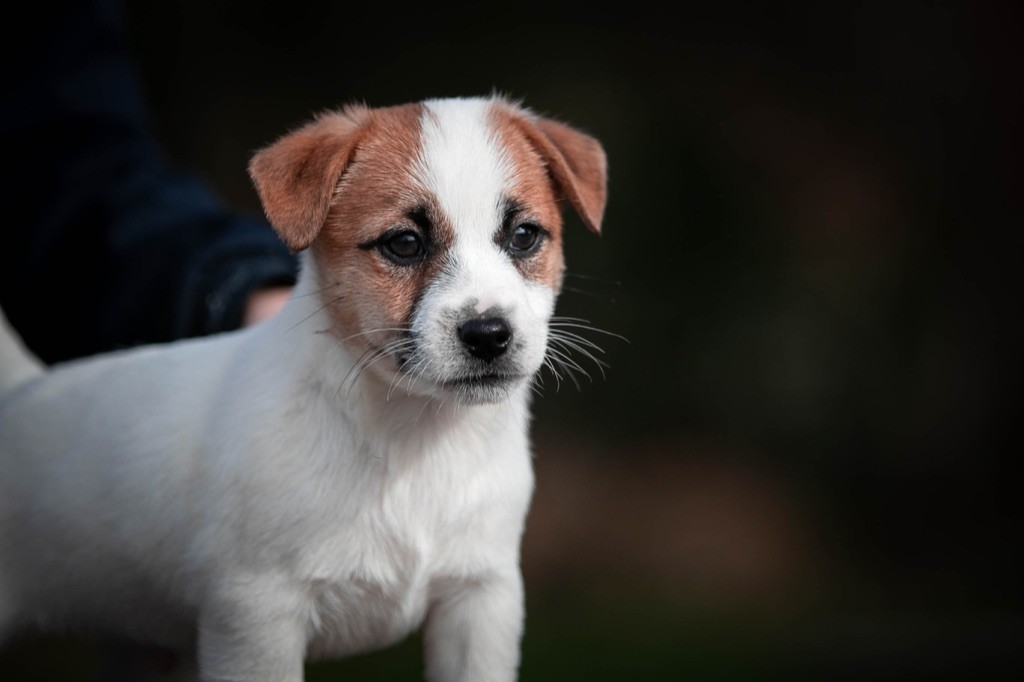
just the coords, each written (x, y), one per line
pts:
(436, 233)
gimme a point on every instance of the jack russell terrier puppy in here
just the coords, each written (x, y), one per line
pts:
(323, 483)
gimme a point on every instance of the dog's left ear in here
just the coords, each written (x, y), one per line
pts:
(296, 176)
(577, 164)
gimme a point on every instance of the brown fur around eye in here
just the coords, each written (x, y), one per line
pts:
(534, 192)
(378, 192)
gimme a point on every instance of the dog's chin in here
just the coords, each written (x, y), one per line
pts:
(469, 389)
(481, 389)
(468, 383)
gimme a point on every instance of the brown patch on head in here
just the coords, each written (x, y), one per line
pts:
(575, 161)
(533, 195)
(378, 193)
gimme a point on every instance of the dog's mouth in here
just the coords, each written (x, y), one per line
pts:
(471, 382)
(482, 381)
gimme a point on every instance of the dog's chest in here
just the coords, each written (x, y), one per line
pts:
(377, 593)
(413, 532)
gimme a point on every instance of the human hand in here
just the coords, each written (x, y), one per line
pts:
(265, 303)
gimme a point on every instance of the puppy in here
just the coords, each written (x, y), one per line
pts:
(326, 482)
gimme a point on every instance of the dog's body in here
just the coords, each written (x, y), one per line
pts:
(325, 482)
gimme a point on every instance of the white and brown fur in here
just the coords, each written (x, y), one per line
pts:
(324, 483)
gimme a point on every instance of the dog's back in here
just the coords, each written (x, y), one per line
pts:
(68, 550)
(17, 365)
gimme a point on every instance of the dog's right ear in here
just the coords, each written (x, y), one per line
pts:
(296, 176)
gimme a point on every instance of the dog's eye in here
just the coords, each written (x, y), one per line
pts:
(524, 238)
(404, 247)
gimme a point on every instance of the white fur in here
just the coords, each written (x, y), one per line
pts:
(241, 495)
(16, 363)
(462, 164)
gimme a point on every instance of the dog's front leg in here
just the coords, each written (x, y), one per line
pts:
(473, 630)
(252, 631)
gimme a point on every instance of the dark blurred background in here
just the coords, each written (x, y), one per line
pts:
(801, 461)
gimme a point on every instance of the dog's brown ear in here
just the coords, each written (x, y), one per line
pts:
(296, 176)
(578, 165)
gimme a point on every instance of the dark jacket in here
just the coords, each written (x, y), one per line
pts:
(105, 246)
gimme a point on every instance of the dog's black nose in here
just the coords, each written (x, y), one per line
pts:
(486, 339)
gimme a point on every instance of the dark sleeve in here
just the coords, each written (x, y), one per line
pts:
(106, 246)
